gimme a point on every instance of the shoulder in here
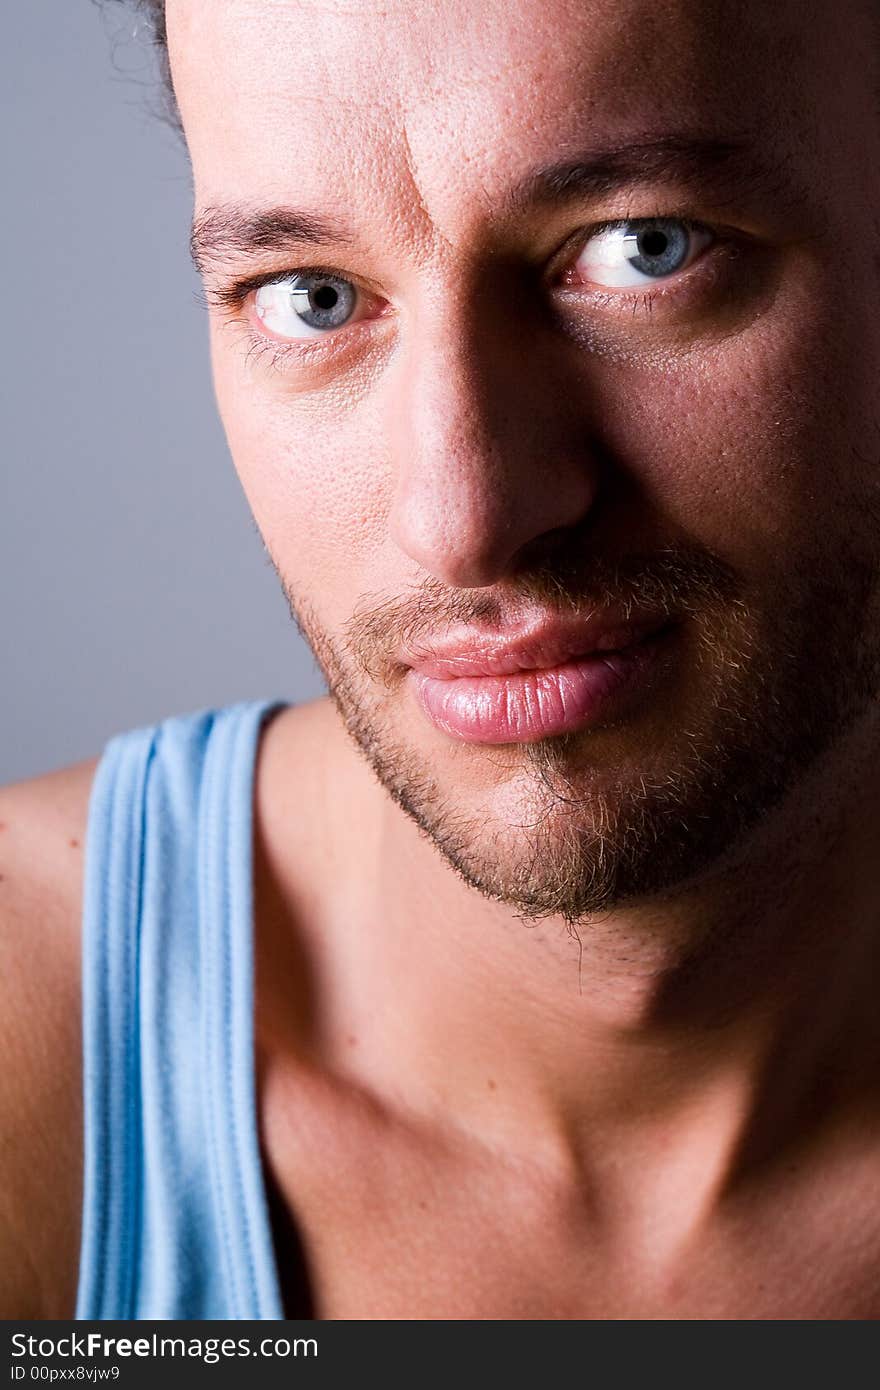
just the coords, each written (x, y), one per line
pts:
(42, 839)
(315, 797)
(298, 763)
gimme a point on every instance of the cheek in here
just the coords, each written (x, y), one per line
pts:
(314, 476)
(749, 446)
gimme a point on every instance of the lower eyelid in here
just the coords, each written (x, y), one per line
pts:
(703, 288)
(305, 346)
(279, 352)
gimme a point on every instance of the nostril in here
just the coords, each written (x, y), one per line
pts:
(561, 549)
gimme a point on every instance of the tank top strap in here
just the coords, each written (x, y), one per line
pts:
(175, 1217)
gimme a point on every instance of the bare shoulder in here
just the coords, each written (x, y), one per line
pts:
(42, 845)
(315, 796)
(303, 734)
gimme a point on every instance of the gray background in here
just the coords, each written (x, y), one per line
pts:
(134, 581)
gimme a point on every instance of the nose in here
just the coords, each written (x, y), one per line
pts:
(490, 452)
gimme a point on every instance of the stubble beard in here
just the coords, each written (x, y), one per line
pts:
(777, 692)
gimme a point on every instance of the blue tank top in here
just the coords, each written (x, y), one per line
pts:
(175, 1213)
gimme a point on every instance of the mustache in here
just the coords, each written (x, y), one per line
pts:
(674, 581)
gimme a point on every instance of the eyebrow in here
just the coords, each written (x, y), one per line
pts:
(726, 166)
(232, 229)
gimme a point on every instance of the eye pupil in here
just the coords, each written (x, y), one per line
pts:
(654, 242)
(325, 297)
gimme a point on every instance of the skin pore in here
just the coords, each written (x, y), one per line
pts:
(655, 936)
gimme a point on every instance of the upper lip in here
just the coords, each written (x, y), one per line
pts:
(541, 645)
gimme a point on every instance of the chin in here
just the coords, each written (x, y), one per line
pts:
(564, 828)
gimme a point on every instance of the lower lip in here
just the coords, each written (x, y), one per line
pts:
(532, 705)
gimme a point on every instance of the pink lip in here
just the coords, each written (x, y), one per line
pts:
(552, 681)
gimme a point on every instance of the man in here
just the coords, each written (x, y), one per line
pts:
(539, 332)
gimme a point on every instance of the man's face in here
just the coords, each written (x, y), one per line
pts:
(500, 406)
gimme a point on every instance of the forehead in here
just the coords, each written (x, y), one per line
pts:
(368, 96)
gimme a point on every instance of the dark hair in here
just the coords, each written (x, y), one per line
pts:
(156, 11)
(157, 36)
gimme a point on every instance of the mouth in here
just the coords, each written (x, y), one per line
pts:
(551, 681)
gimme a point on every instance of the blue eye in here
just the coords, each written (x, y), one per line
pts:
(637, 252)
(306, 305)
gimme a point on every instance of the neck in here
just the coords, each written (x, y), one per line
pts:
(672, 1048)
(746, 1001)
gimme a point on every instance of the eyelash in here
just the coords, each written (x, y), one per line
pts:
(231, 298)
